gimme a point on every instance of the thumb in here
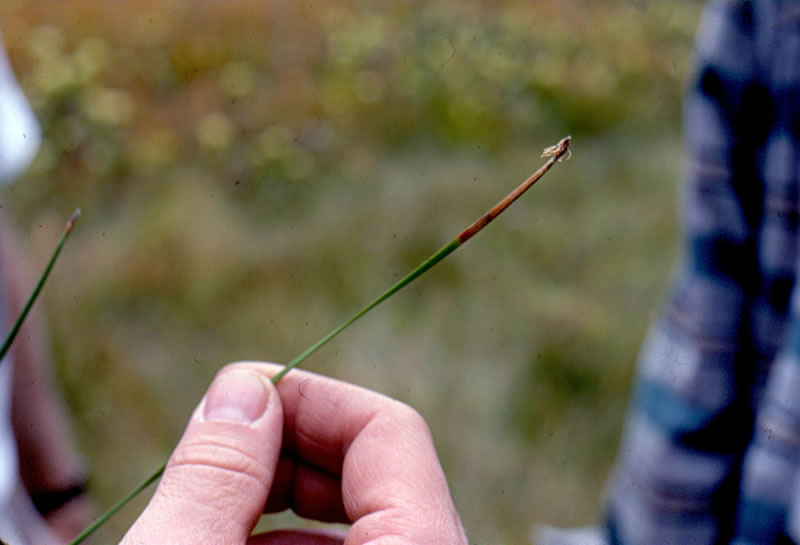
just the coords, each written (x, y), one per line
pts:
(217, 480)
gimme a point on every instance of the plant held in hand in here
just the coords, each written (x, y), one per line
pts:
(556, 153)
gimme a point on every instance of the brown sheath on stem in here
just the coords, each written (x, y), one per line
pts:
(556, 154)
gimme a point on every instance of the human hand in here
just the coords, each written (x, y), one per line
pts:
(329, 450)
(67, 521)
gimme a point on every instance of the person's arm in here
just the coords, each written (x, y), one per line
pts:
(328, 450)
(678, 467)
(50, 465)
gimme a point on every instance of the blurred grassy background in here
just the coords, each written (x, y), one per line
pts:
(253, 172)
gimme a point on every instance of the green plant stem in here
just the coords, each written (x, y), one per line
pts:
(555, 154)
(99, 521)
(410, 277)
(39, 285)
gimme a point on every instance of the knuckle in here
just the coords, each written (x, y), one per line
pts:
(409, 417)
(229, 449)
(226, 456)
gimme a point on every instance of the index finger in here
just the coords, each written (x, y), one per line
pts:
(381, 450)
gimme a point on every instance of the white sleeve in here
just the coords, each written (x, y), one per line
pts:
(19, 131)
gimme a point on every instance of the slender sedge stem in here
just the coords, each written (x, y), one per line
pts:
(98, 522)
(555, 154)
(424, 266)
(39, 285)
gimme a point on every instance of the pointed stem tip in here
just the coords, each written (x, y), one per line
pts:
(559, 150)
(555, 154)
(73, 218)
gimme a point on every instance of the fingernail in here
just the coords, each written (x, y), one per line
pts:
(236, 396)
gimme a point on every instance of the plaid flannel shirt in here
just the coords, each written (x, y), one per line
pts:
(712, 444)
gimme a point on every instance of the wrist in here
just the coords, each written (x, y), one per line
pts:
(70, 519)
(49, 500)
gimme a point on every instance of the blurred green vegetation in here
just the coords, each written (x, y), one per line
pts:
(253, 172)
